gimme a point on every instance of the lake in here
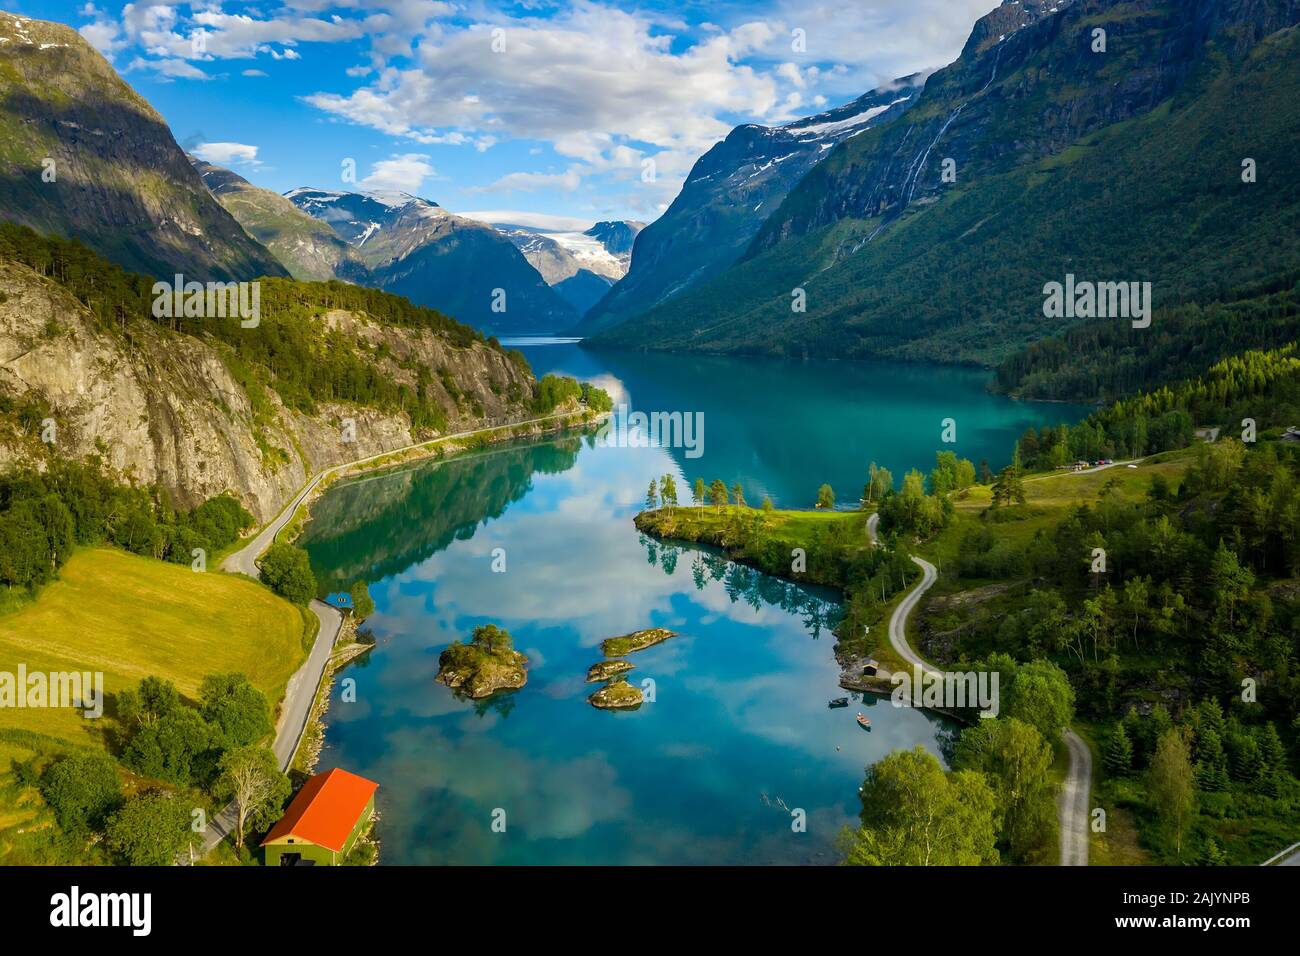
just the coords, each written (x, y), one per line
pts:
(738, 746)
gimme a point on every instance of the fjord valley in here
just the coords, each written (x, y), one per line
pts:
(330, 495)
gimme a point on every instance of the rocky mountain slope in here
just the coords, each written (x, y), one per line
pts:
(307, 247)
(730, 191)
(1122, 165)
(83, 155)
(414, 247)
(201, 412)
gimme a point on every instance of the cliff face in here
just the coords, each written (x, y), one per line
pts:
(85, 156)
(164, 407)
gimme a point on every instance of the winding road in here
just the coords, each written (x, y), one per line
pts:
(1072, 806)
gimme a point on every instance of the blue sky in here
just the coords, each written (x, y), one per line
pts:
(546, 110)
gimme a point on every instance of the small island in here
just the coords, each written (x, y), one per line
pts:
(604, 670)
(636, 641)
(618, 694)
(487, 664)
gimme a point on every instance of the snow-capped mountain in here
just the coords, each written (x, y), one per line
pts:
(581, 266)
(729, 193)
(461, 266)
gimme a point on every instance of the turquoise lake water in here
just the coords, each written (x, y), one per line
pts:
(738, 738)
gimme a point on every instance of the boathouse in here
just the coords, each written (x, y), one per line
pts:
(323, 821)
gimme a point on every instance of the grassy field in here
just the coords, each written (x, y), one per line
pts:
(131, 617)
(1049, 499)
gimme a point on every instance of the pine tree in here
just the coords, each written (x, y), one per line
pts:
(1212, 854)
(1211, 761)
(718, 494)
(651, 497)
(1118, 752)
(738, 494)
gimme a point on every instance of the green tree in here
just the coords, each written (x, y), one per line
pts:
(1117, 753)
(652, 496)
(1040, 694)
(1171, 787)
(718, 494)
(153, 700)
(668, 490)
(698, 493)
(916, 814)
(250, 777)
(180, 748)
(1211, 761)
(492, 639)
(1009, 487)
(235, 708)
(825, 497)
(1016, 761)
(287, 571)
(1229, 581)
(738, 494)
(82, 790)
(151, 829)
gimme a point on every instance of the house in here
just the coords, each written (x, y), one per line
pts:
(869, 668)
(323, 821)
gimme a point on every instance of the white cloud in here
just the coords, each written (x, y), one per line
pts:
(181, 69)
(227, 154)
(252, 73)
(588, 80)
(405, 173)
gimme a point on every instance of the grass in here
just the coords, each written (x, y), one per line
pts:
(636, 641)
(1048, 500)
(131, 617)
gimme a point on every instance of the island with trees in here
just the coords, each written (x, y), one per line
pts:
(488, 663)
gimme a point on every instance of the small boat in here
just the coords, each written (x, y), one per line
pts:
(838, 702)
(863, 722)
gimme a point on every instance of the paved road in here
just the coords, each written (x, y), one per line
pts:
(1288, 857)
(1087, 471)
(898, 620)
(1073, 802)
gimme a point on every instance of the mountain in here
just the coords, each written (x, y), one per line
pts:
(307, 247)
(414, 247)
(1124, 165)
(199, 407)
(580, 266)
(729, 193)
(85, 156)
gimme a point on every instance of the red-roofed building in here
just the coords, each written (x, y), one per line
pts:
(323, 821)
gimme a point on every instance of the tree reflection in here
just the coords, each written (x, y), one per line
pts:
(745, 584)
